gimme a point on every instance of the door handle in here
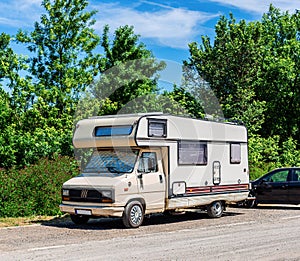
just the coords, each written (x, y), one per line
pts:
(160, 178)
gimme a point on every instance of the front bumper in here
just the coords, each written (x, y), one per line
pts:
(100, 211)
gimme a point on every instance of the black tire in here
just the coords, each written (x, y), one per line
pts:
(252, 203)
(215, 209)
(79, 219)
(133, 215)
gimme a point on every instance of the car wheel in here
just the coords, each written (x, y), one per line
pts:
(133, 215)
(252, 203)
(80, 219)
(215, 209)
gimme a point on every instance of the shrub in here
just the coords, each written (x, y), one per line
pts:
(266, 154)
(35, 190)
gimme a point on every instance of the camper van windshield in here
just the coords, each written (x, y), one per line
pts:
(112, 161)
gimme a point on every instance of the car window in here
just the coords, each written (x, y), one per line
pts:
(279, 176)
(296, 175)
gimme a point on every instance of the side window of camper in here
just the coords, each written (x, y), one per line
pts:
(157, 128)
(148, 162)
(192, 153)
(235, 153)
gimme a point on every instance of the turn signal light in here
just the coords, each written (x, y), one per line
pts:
(106, 200)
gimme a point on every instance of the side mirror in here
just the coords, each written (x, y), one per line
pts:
(82, 164)
(263, 181)
(151, 165)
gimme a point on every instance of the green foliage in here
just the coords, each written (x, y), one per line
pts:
(290, 156)
(279, 73)
(37, 113)
(10, 63)
(62, 43)
(230, 66)
(185, 102)
(266, 154)
(35, 190)
(128, 69)
(253, 68)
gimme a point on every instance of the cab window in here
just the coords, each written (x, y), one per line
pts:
(148, 162)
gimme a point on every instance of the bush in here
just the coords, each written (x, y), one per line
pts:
(35, 190)
(266, 154)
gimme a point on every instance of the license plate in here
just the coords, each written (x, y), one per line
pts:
(83, 212)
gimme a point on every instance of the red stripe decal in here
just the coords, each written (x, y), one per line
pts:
(222, 188)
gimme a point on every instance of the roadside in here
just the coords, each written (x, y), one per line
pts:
(262, 233)
(26, 221)
(52, 220)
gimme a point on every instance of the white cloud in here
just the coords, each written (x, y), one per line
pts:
(173, 27)
(10, 22)
(166, 26)
(261, 6)
(18, 14)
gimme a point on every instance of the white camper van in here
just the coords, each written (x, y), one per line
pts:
(154, 163)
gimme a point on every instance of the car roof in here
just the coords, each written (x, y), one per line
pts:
(285, 168)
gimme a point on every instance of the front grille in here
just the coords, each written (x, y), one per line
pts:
(85, 195)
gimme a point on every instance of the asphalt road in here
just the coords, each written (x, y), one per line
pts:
(264, 233)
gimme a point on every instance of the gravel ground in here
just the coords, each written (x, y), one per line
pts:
(263, 233)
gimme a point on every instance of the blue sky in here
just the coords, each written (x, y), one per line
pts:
(166, 27)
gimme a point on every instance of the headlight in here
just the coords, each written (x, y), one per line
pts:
(65, 192)
(107, 196)
(106, 193)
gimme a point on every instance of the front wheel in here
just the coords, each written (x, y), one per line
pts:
(215, 209)
(251, 203)
(133, 215)
(79, 219)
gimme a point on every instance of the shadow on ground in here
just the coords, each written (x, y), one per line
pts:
(116, 223)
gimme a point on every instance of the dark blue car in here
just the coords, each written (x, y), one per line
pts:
(280, 186)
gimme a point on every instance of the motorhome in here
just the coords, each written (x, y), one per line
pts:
(143, 164)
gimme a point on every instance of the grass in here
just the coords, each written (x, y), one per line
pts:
(25, 221)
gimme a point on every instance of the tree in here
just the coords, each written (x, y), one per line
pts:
(10, 66)
(63, 63)
(183, 102)
(280, 73)
(230, 66)
(253, 68)
(128, 70)
(38, 112)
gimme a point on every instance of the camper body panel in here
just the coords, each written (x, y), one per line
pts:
(217, 168)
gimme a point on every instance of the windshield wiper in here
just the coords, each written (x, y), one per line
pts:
(112, 169)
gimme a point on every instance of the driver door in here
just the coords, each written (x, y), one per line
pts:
(274, 188)
(151, 179)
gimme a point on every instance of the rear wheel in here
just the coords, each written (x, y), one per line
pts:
(79, 219)
(215, 209)
(133, 215)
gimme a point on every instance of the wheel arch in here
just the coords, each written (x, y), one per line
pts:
(141, 200)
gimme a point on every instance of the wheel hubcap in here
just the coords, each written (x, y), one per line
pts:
(217, 208)
(136, 215)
